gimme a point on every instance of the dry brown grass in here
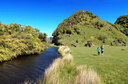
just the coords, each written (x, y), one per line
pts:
(86, 76)
(64, 71)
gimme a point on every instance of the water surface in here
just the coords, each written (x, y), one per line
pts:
(26, 67)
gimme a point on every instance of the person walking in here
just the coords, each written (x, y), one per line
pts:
(98, 49)
(102, 49)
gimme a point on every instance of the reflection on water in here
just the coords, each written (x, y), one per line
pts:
(26, 67)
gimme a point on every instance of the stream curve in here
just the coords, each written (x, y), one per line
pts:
(26, 68)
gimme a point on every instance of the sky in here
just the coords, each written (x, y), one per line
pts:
(46, 15)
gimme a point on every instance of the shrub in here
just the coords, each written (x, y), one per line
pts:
(98, 24)
(102, 37)
(90, 14)
(16, 40)
(43, 37)
(69, 32)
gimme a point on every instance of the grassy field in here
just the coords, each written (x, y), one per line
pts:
(112, 67)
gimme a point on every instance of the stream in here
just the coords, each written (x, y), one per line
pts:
(26, 68)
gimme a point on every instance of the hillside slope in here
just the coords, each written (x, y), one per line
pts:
(122, 24)
(85, 29)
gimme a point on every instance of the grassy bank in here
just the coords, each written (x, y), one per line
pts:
(112, 67)
(64, 71)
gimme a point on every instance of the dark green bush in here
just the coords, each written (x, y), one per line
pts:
(102, 38)
(98, 24)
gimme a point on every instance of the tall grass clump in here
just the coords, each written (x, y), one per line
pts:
(64, 71)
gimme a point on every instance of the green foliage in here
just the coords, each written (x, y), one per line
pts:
(123, 21)
(98, 24)
(68, 71)
(43, 37)
(102, 37)
(18, 40)
(126, 31)
(91, 14)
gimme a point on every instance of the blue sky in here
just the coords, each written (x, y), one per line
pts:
(46, 15)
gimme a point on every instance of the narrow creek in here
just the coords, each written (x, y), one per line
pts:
(27, 67)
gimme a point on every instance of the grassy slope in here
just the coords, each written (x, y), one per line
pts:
(92, 34)
(112, 67)
(122, 21)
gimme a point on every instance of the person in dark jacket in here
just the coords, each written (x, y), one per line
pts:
(102, 49)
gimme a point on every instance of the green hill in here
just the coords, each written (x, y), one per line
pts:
(86, 29)
(122, 24)
(18, 40)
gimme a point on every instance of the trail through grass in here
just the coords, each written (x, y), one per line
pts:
(112, 67)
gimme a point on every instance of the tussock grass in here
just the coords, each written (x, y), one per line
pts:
(64, 71)
(86, 76)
